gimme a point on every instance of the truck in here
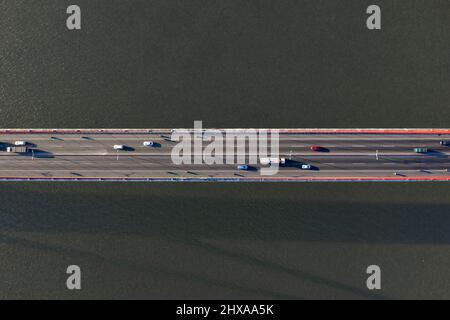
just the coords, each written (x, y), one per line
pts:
(17, 149)
(267, 161)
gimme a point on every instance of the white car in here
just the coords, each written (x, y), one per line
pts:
(20, 143)
(306, 166)
(118, 147)
(148, 143)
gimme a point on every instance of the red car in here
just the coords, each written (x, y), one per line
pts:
(315, 148)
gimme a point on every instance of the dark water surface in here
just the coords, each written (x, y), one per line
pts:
(231, 64)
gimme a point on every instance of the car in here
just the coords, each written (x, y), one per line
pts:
(420, 150)
(306, 167)
(444, 143)
(315, 148)
(148, 143)
(243, 167)
(118, 147)
(20, 143)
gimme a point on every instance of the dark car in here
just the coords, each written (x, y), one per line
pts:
(444, 143)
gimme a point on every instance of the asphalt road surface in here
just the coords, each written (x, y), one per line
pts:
(93, 156)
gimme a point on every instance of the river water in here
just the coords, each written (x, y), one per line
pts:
(164, 64)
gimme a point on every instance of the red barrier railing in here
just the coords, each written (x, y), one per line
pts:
(287, 131)
(233, 179)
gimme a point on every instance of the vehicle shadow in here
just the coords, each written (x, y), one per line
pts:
(436, 153)
(4, 145)
(292, 164)
(128, 148)
(37, 153)
(76, 174)
(298, 164)
(156, 145)
(30, 145)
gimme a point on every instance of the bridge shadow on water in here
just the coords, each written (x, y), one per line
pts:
(301, 211)
(197, 215)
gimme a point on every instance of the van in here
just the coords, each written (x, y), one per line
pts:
(266, 161)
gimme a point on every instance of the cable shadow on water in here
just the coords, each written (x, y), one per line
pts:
(272, 266)
(132, 265)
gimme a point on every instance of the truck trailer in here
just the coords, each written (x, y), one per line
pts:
(17, 149)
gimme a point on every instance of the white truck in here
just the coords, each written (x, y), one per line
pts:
(17, 149)
(267, 161)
